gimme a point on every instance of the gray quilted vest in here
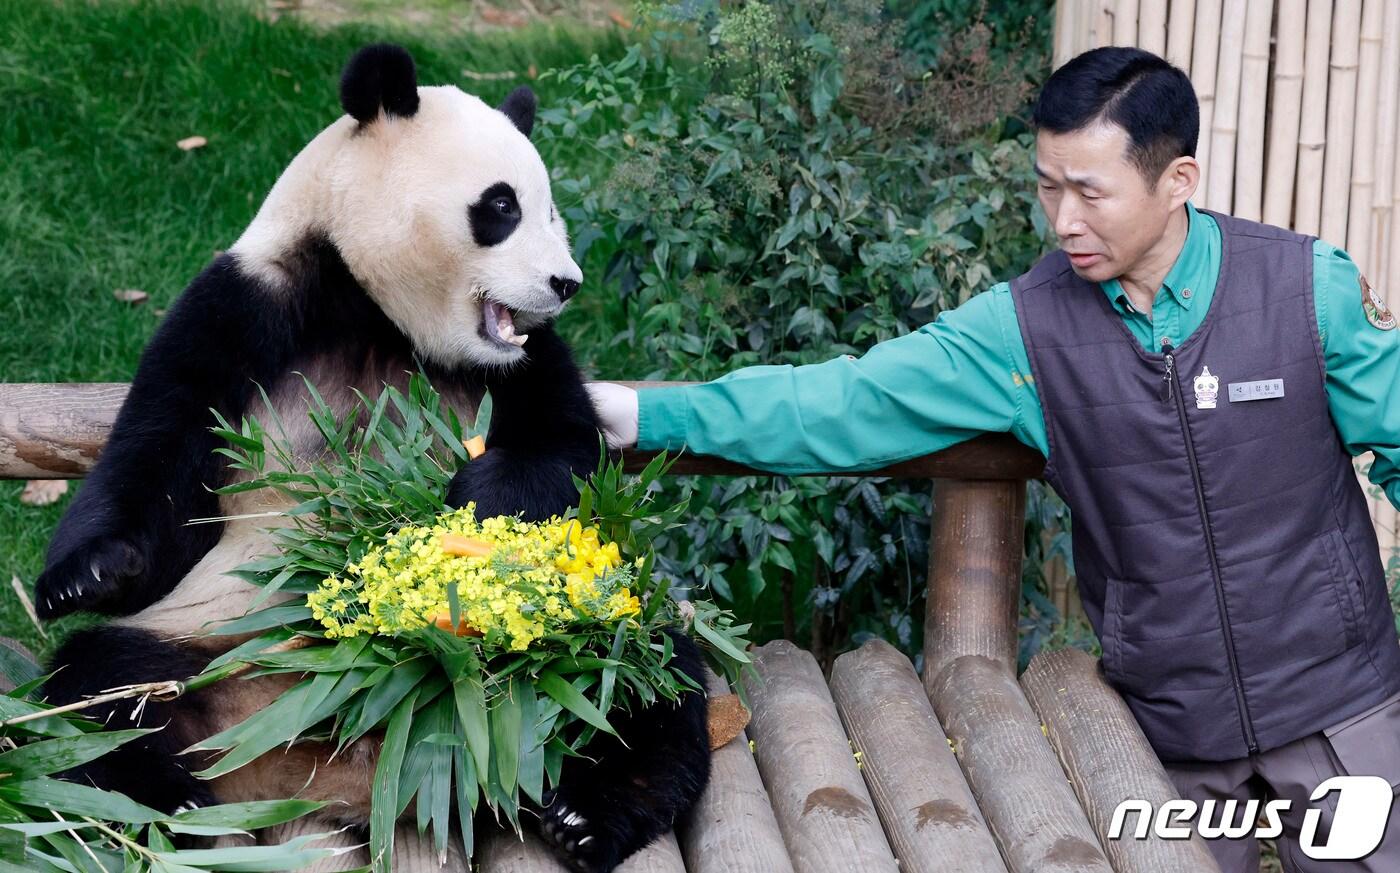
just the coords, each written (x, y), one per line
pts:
(1223, 549)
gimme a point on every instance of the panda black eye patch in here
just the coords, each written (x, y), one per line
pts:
(495, 215)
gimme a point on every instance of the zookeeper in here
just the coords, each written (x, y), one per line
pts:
(1198, 384)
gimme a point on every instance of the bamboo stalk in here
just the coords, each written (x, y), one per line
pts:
(1254, 95)
(1285, 103)
(1181, 24)
(1125, 20)
(1087, 12)
(1388, 117)
(1152, 26)
(1225, 125)
(1312, 131)
(1363, 159)
(1065, 25)
(1204, 64)
(1105, 13)
(1341, 118)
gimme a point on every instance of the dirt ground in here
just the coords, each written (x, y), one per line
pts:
(452, 15)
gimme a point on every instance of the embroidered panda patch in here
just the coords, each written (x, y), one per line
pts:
(1373, 304)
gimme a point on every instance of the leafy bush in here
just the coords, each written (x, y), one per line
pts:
(793, 186)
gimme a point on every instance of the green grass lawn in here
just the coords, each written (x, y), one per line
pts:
(95, 196)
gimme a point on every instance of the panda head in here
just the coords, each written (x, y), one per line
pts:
(440, 207)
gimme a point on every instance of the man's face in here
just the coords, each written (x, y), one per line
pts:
(1104, 214)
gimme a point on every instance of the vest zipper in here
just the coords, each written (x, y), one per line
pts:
(1170, 377)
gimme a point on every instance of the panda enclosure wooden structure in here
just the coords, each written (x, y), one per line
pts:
(874, 770)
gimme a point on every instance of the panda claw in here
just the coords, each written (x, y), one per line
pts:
(583, 842)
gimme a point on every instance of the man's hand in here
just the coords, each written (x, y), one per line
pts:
(617, 412)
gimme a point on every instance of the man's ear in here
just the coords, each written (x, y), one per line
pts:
(379, 76)
(1181, 178)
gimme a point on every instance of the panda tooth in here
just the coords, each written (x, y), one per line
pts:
(518, 338)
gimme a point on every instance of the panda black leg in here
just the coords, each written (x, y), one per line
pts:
(148, 769)
(602, 812)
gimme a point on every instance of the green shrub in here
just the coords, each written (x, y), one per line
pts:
(793, 186)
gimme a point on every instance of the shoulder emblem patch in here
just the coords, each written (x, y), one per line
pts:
(1374, 306)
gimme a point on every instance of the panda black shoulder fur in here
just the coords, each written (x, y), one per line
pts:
(417, 230)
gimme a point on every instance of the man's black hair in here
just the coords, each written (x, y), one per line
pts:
(1138, 91)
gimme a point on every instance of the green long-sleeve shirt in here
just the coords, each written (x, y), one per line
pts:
(967, 372)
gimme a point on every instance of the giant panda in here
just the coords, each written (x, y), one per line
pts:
(417, 230)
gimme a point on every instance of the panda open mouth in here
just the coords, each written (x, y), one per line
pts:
(498, 324)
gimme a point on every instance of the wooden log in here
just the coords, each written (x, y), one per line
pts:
(501, 851)
(732, 828)
(1066, 25)
(1205, 63)
(662, 856)
(1312, 130)
(928, 812)
(974, 587)
(1341, 121)
(1108, 760)
(1181, 26)
(1286, 99)
(1254, 97)
(55, 431)
(1363, 159)
(1152, 26)
(1125, 21)
(1382, 209)
(819, 798)
(1013, 772)
(1225, 122)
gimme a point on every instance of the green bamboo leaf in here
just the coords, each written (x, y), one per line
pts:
(505, 736)
(386, 785)
(273, 616)
(71, 799)
(384, 695)
(56, 755)
(247, 816)
(718, 640)
(53, 726)
(567, 696)
(470, 698)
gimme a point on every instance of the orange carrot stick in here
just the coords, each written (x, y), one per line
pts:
(456, 544)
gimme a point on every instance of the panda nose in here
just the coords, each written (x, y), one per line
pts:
(565, 288)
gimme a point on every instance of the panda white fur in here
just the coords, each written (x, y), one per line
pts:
(417, 230)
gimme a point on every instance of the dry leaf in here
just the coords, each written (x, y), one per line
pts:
(619, 20)
(42, 492)
(503, 17)
(28, 606)
(192, 142)
(727, 719)
(131, 295)
(532, 71)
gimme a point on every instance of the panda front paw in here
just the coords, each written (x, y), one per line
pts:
(576, 835)
(507, 482)
(90, 577)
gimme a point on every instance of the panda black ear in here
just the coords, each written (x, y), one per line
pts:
(519, 107)
(380, 75)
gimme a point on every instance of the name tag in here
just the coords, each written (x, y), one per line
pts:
(1265, 389)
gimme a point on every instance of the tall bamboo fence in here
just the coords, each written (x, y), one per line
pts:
(1300, 104)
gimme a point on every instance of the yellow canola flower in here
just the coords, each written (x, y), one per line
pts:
(518, 581)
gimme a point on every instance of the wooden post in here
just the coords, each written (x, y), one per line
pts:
(1382, 213)
(1181, 25)
(974, 588)
(1107, 759)
(928, 812)
(1125, 22)
(1363, 160)
(1020, 788)
(732, 828)
(821, 803)
(1152, 26)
